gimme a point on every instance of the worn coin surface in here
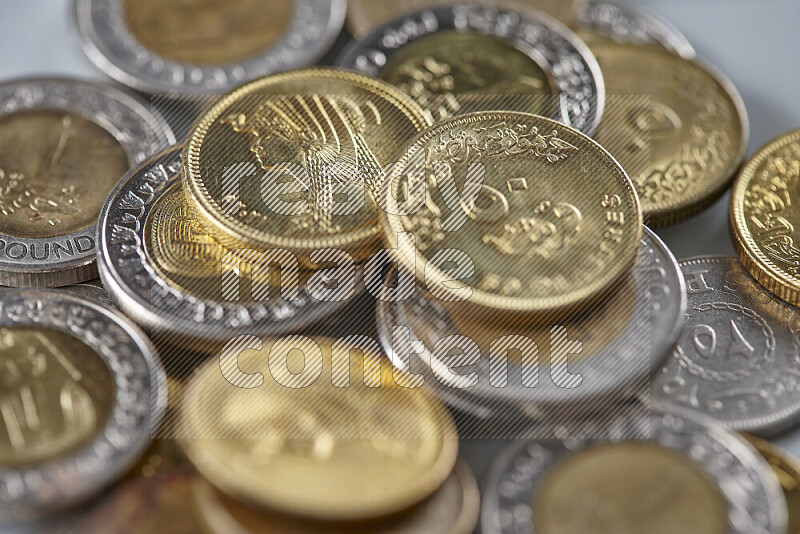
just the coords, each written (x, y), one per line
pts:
(453, 509)
(738, 357)
(688, 477)
(301, 426)
(292, 161)
(539, 198)
(365, 16)
(144, 267)
(623, 339)
(204, 46)
(787, 470)
(64, 144)
(763, 216)
(82, 392)
(599, 20)
(466, 57)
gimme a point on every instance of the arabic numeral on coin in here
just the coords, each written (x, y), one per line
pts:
(704, 338)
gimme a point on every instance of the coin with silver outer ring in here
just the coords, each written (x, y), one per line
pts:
(577, 78)
(751, 497)
(139, 399)
(629, 24)
(110, 44)
(61, 260)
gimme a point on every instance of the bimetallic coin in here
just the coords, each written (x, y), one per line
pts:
(625, 23)
(64, 144)
(689, 476)
(453, 509)
(466, 58)
(694, 127)
(292, 161)
(143, 267)
(547, 218)
(787, 470)
(317, 428)
(82, 392)
(623, 340)
(763, 216)
(204, 46)
(365, 16)
(738, 357)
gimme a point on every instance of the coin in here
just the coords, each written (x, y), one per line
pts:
(313, 442)
(137, 265)
(695, 128)
(63, 145)
(552, 204)
(82, 391)
(688, 477)
(365, 16)
(204, 46)
(762, 216)
(600, 20)
(330, 140)
(738, 357)
(92, 290)
(623, 340)
(466, 58)
(453, 509)
(787, 470)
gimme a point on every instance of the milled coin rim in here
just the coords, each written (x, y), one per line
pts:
(393, 224)
(148, 134)
(185, 78)
(59, 482)
(227, 229)
(373, 47)
(782, 284)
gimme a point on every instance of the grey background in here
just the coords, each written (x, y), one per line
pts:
(755, 42)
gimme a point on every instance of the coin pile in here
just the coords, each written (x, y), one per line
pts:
(345, 273)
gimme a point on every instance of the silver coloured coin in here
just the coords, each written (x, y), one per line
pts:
(139, 398)
(630, 24)
(558, 52)
(68, 259)
(754, 503)
(110, 44)
(92, 290)
(135, 284)
(654, 298)
(738, 356)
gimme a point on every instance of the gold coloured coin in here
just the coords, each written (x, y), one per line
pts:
(291, 160)
(787, 470)
(538, 216)
(628, 486)
(208, 32)
(363, 16)
(694, 127)
(56, 394)
(299, 444)
(764, 216)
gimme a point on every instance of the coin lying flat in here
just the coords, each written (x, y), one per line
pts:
(312, 442)
(82, 393)
(551, 203)
(599, 20)
(623, 340)
(688, 477)
(695, 128)
(466, 58)
(64, 144)
(763, 219)
(738, 357)
(787, 470)
(453, 509)
(167, 276)
(365, 16)
(201, 46)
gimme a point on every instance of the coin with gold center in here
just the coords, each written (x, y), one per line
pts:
(693, 130)
(318, 428)
(494, 195)
(764, 217)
